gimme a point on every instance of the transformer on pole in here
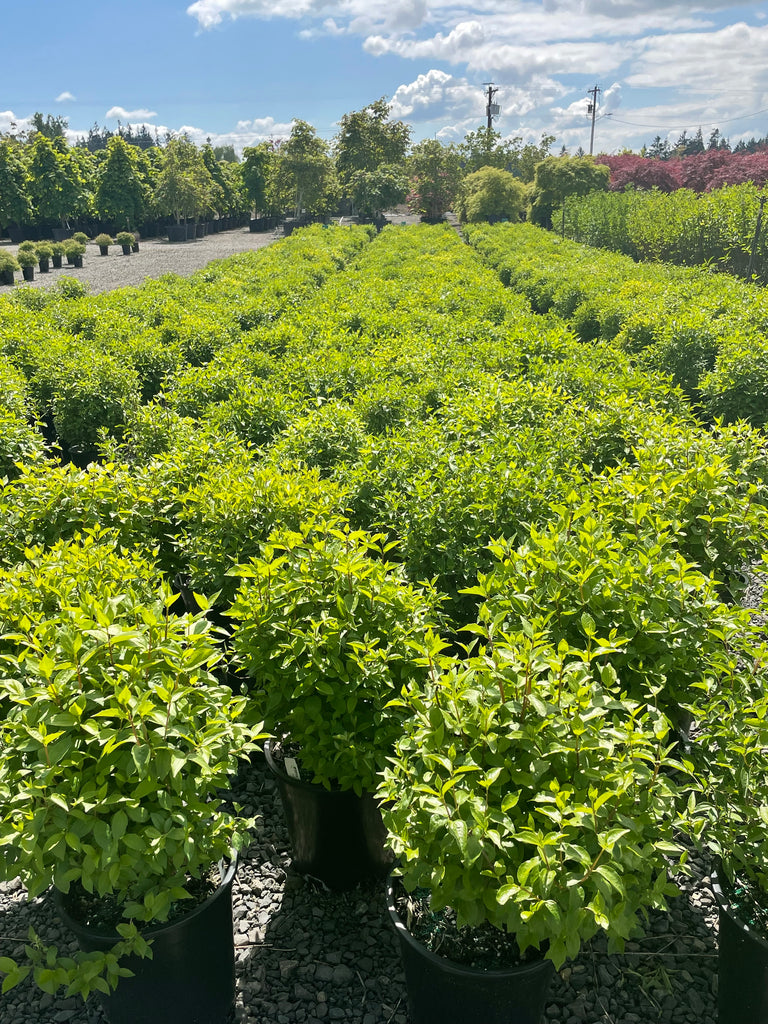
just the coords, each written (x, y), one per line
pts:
(491, 109)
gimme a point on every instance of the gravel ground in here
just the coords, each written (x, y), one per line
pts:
(306, 956)
(156, 256)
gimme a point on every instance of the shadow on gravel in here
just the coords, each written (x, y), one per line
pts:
(317, 956)
(667, 976)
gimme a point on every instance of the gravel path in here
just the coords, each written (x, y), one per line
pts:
(155, 257)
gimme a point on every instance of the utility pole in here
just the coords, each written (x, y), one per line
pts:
(491, 109)
(592, 109)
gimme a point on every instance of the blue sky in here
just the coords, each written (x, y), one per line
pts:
(238, 71)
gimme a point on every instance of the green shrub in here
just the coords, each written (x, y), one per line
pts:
(332, 636)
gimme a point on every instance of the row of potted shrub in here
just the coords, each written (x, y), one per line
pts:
(524, 784)
(420, 396)
(42, 255)
(125, 239)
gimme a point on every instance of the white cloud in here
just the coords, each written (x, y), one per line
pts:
(436, 95)
(63, 97)
(130, 115)
(358, 17)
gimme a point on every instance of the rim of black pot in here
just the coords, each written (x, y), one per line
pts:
(227, 870)
(451, 966)
(285, 777)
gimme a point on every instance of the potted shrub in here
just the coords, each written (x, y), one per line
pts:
(81, 237)
(103, 241)
(126, 240)
(74, 251)
(117, 738)
(8, 265)
(530, 807)
(731, 756)
(57, 254)
(27, 259)
(330, 634)
(44, 252)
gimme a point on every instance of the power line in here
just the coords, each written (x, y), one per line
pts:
(691, 124)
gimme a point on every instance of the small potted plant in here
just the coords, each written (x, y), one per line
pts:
(331, 633)
(57, 254)
(44, 252)
(117, 739)
(126, 240)
(531, 805)
(8, 265)
(81, 237)
(74, 251)
(27, 259)
(103, 241)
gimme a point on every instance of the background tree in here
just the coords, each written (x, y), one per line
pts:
(15, 205)
(49, 126)
(373, 192)
(435, 173)
(184, 184)
(366, 140)
(55, 188)
(120, 193)
(255, 169)
(559, 177)
(218, 196)
(490, 195)
(486, 148)
(226, 154)
(659, 149)
(304, 174)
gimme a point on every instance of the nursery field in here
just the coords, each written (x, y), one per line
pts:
(468, 522)
(722, 228)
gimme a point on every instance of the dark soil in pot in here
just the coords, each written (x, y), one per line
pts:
(455, 975)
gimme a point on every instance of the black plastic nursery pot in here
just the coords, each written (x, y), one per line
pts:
(191, 976)
(28, 273)
(6, 277)
(742, 963)
(177, 232)
(335, 835)
(443, 992)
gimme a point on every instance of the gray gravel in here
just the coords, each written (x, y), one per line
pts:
(156, 256)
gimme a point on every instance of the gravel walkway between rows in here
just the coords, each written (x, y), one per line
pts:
(156, 256)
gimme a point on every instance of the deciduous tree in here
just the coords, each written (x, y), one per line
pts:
(367, 139)
(435, 172)
(558, 177)
(491, 194)
(120, 193)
